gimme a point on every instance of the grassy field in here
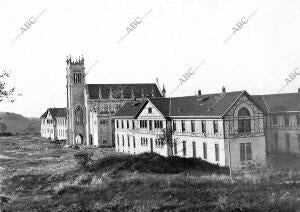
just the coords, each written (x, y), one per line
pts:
(37, 176)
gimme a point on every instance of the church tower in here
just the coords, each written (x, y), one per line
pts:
(76, 111)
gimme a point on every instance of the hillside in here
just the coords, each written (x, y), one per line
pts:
(38, 176)
(16, 123)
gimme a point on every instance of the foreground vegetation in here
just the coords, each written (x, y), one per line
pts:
(36, 176)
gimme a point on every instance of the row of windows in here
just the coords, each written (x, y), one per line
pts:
(62, 122)
(77, 77)
(159, 143)
(103, 121)
(286, 120)
(62, 132)
(192, 124)
(143, 124)
(287, 141)
(47, 130)
(48, 121)
(59, 121)
(123, 141)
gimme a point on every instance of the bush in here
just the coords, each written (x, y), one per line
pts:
(83, 158)
(154, 163)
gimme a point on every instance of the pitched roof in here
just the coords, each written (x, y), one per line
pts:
(131, 109)
(138, 90)
(210, 105)
(55, 112)
(275, 103)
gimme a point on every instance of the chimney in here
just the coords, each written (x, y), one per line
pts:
(223, 90)
(163, 91)
(199, 92)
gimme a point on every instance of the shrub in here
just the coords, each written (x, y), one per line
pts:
(153, 163)
(83, 158)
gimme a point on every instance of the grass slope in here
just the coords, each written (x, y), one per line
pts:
(36, 176)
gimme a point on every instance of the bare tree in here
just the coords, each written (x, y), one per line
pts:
(6, 93)
(167, 138)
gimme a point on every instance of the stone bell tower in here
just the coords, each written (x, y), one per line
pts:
(76, 111)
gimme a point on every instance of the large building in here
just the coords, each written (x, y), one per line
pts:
(225, 128)
(54, 124)
(90, 107)
(282, 121)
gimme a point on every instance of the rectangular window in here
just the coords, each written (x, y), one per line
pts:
(133, 141)
(143, 124)
(174, 126)
(133, 124)
(245, 151)
(127, 123)
(276, 140)
(118, 139)
(123, 140)
(286, 120)
(150, 124)
(193, 126)
(158, 124)
(194, 149)
(275, 120)
(204, 150)
(217, 152)
(242, 152)
(298, 119)
(287, 142)
(117, 123)
(149, 110)
(216, 127)
(175, 147)
(182, 126)
(184, 148)
(122, 124)
(128, 140)
(248, 151)
(203, 126)
(244, 126)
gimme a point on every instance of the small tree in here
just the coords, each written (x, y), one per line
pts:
(6, 93)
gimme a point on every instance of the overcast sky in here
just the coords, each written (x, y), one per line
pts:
(173, 38)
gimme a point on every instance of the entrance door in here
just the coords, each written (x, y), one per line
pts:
(151, 145)
(79, 139)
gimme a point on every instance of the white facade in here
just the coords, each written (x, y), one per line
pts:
(218, 140)
(54, 127)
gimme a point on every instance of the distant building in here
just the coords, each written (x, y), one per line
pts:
(282, 121)
(90, 107)
(54, 124)
(225, 128)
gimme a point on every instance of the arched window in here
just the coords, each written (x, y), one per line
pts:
(244, 125)
(78, 115)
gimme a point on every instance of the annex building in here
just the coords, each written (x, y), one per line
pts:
(54, 123)
(227, 128)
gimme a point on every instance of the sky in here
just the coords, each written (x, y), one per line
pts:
(250, 45)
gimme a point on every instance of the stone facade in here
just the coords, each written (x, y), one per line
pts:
(91, 106)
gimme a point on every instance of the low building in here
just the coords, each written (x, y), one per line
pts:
(282, 121)
(224, 128)
(54, 124)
